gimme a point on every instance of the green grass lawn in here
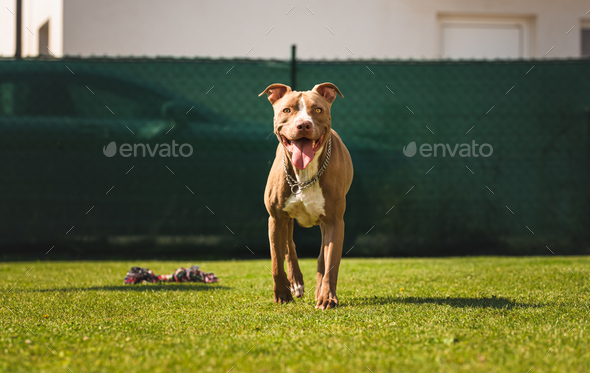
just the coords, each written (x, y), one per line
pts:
(396, 315)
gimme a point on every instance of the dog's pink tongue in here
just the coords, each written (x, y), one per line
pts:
(302, 152)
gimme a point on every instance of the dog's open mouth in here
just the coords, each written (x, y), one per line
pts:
(302, 150)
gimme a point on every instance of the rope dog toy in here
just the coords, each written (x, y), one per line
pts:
(138, 275)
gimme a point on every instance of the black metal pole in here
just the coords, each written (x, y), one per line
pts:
(293, 67)
(18, 53)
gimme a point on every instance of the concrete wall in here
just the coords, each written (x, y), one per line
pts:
(35, 14)
(7, 27)
(371, 29)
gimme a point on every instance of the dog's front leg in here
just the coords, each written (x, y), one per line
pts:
(320, 270)
(277, 232)
(294, 272)
(333, 238)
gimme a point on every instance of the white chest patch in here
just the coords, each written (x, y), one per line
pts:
(308, 205)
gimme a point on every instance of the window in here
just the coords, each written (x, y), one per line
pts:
(585, 39)
(44, 39)
(485, 37)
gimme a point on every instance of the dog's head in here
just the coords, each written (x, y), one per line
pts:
(302, 120)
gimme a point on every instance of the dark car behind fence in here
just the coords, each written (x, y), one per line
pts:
(496, 156)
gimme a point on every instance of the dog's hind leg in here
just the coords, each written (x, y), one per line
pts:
(321, 269)
(294, 273)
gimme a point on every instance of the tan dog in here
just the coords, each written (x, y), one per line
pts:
(308, 181)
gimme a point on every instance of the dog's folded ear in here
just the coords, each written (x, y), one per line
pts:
(275, 92)
(327, 91)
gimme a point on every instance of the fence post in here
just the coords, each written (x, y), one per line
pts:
(19, 19)
(293, 67)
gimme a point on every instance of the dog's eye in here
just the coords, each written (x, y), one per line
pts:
(286, 110)
(318, 110)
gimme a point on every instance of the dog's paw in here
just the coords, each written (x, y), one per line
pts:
(318, 291)
(298, 290)
(326, 301)
(283, 295)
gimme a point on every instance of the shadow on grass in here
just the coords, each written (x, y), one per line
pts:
(146, 287)
(493, 302)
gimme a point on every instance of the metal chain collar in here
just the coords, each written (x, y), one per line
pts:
(298, 187)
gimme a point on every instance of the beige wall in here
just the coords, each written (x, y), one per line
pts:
(35, 14)
(371, 29)
(7, 27)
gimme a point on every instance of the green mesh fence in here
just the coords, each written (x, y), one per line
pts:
(59, 190)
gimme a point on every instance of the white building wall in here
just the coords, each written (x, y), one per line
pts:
(230, 28)
(7, 27)
(35, 14)
(370, 29)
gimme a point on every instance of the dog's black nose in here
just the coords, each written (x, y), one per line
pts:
(303, 126)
